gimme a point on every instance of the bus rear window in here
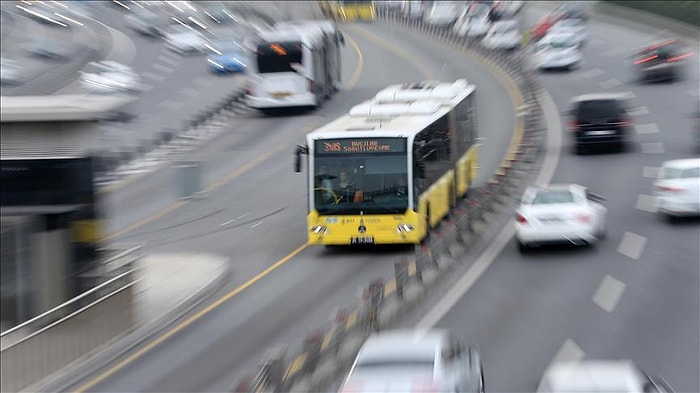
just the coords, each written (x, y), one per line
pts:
(278, 56)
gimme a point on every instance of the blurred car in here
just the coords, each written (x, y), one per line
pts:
(48, 48)
(227, 56)
(185, 40)
(576, 27)
(474, 21)
(600, 376)
(408, 361)
(9, 72)
(146, 22)
(218, 13)
(503, 35)
(560, 214)
(110, 77)
(44, 12)
(441, 14)
(661, 61)
(557, 50)
(507, 8)
(677, 188)
(600, 119)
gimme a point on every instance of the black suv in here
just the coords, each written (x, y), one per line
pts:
(663, 61)
(600, 120)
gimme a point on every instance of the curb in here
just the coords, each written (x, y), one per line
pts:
(101, 357)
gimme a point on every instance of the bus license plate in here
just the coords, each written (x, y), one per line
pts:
(362, 240)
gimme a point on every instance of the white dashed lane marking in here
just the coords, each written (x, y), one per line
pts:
(168, 60)
(168, 104)
(653, 148)
(152, 76)
(592, 73)
(162, 68)
(632, 245)
(608, 294)
(651, 172)
(646, 203)
(568, 352)
(639, 111)
(650, 128)
(610, 83)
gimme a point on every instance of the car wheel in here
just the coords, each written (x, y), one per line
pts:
(602, 232)
(482, 382)
(579, 149)
(523, 247)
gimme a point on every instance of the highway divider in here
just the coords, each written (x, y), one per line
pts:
(328, 351)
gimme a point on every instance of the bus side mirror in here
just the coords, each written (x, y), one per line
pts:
(297, 157)
(341, 38)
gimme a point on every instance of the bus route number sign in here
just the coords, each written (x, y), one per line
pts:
(364, 145)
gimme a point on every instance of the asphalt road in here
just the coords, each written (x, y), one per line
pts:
(256, 215)
(636, 295)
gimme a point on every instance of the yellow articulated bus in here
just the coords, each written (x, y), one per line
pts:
(349, 10)
(393, 167)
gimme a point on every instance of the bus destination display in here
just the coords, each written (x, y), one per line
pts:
(361, 145)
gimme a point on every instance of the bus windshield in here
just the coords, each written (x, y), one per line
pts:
(371, 183)
(278, 56)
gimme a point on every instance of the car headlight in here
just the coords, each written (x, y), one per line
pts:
(404, 228)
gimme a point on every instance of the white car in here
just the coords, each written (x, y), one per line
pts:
(185, 40)
(576, 27)
(110, 77)
(508, 8)
(408, 361)
(603, 376)
(503, 35)
(441, 14)
(560, 214)
(557, 50)
(677, 188)
(473, 21)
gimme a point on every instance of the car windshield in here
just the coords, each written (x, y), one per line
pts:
(598, 109)
(552, 197)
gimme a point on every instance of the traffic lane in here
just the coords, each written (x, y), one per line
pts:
(244, 139)
(303, 281)
(305, 292)
(495, 122)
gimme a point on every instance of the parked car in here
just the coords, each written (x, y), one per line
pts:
(110, 77)
(576, 27)
(600, 120)
(185, 40)
(503, 35)
(560, 214)
(408, 361)
(557, 50)
(677, 188)
(441, 14)
(474, 21)
(600, 376)
(662, 61)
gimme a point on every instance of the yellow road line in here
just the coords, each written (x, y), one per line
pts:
(352, 318)
(327, 339)
(295, 366)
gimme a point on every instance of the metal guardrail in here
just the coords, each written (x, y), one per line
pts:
(37, 348)
(327, 351)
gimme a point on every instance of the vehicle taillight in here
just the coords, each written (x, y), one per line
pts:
(584, 218)
(520, 218)
(573, 124)
(679, 57)
(646, 59)
(625, 122)
(670, 188)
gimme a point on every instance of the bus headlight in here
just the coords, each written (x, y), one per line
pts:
(319, 229)
(404, 228)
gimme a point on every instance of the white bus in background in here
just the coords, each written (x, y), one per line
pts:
(296, 64)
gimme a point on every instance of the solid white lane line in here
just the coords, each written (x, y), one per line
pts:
(609, 292)
(639, 111)
(167, 60)
(653, 148)
(189, 92)
(155, 77)
(592, 73)
(160, 67)
(234, 219)
(168, 104)
(632, 245)
(651, 172)
(549, 165)
(610, 83)
(646, 203)
(650, 128)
